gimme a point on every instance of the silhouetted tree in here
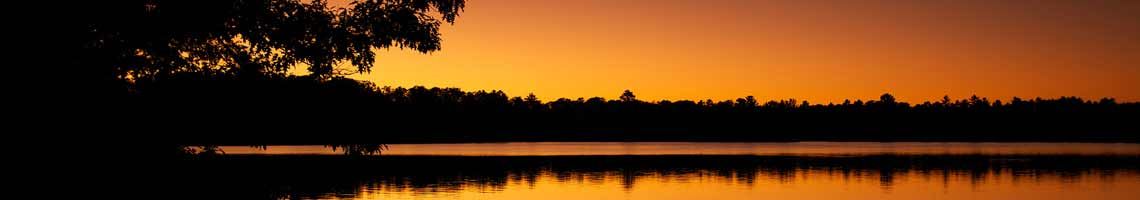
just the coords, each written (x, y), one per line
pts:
(146, 40)
(628, 96)
(887, 98)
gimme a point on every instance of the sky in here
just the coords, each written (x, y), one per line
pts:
(816, 50)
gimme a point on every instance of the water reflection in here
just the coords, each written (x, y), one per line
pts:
(671, 177)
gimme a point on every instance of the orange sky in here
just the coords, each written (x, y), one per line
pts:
(816, 50)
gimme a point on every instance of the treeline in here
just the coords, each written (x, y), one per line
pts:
(341, 110)
(435, 99)
(455, 99)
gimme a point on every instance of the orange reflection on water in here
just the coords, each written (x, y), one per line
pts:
(676, 170)
(800, 184)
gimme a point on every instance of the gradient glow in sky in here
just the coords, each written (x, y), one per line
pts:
(816, 50)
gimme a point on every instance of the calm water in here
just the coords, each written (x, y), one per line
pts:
(810, 170)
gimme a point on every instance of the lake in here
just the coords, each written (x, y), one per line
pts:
(674, 170)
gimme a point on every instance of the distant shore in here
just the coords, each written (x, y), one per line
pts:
(674, 137)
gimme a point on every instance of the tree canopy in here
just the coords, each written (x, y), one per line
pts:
(130, 40)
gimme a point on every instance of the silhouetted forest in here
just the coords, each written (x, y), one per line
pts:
(343, 110)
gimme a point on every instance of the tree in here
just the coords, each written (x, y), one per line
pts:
(532, 102)
(628, 96)
(530, 98)
(135, 40)
(747, 103)
(887, 98)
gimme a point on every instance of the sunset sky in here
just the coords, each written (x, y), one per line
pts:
(815, 50)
